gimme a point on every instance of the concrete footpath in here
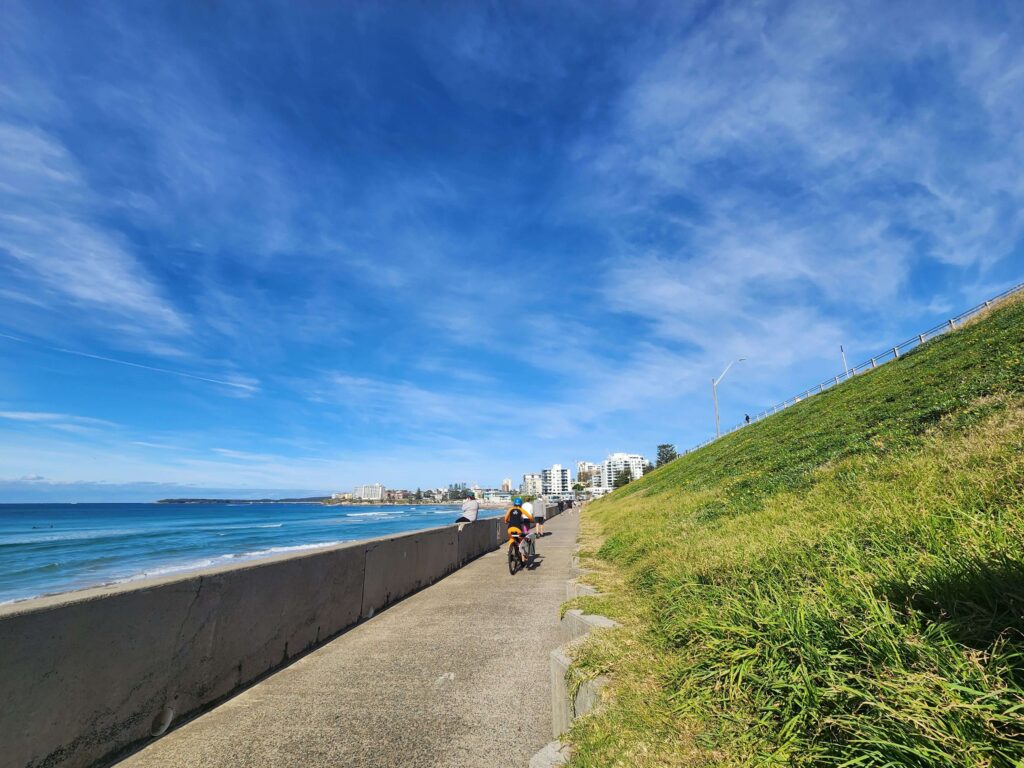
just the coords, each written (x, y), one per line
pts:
(456, 675)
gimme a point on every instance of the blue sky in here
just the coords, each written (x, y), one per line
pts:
(302, 246)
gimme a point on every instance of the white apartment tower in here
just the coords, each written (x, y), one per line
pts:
(617, 462)
(373, 492)
(556, 480)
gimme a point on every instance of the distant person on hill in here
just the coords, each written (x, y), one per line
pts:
(470, 510)
(746, 418)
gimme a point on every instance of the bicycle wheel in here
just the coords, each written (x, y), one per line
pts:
(513, 560)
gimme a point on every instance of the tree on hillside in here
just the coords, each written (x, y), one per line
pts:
(666, 453)
(578, 487)
(648, 467)
(622, 477)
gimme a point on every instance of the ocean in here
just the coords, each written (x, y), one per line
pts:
(51, 548)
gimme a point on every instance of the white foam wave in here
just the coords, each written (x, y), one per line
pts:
(217, 560)
(296, 548)
(98, 533)
(235, 527)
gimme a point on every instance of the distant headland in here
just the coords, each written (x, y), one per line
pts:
(306, 500)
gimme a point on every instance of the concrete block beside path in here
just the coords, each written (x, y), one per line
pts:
(573, 588)
(576, 624)
(589, 696)
(561, 708)
(565, 709)
(553, 754)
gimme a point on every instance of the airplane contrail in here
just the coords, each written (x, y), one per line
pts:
(91, 356)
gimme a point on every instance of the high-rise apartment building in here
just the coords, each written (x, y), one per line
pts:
(585, 471)
(506, 485)
(532, 484)
(617, 462)
(373, 492)
(556, 480)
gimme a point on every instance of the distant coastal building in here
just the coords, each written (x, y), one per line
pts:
(532, 484)
(506, 485)
(585, 471)
(603, 480)
(373, 492)
(555, 480)
(497, 497)
(341, 496)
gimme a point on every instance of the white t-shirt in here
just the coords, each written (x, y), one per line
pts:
(470, 509)
(528, 508)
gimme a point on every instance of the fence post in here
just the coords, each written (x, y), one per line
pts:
(821, 387)
(873, 365)
(920, 338)
(837, 379)
(952, 325)
(896, 352)
(988, 304)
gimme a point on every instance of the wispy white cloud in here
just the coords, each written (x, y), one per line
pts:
(48, 227)
(766, 187)
(243, 455)
(62, 422)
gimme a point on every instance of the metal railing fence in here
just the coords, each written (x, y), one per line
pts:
(893, 353)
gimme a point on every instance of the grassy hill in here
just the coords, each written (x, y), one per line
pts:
(841, 584)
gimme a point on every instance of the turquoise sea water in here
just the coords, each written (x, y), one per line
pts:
(49, 548)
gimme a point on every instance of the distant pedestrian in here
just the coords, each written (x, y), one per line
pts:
(470, 510)
(538, 516)
(746, 418)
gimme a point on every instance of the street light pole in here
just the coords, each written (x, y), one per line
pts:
(846, 368)
(714, 394)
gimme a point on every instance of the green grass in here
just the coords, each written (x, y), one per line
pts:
(840, 585)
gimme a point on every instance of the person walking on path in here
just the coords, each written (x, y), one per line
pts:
(538, 516)
(470, 510)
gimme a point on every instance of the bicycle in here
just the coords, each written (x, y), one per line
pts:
(516, 559)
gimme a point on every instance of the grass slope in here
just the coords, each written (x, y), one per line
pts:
(840, 585)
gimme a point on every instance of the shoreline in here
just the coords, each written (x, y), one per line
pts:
(159, 569)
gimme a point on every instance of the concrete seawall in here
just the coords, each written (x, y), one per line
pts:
(88, 675)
